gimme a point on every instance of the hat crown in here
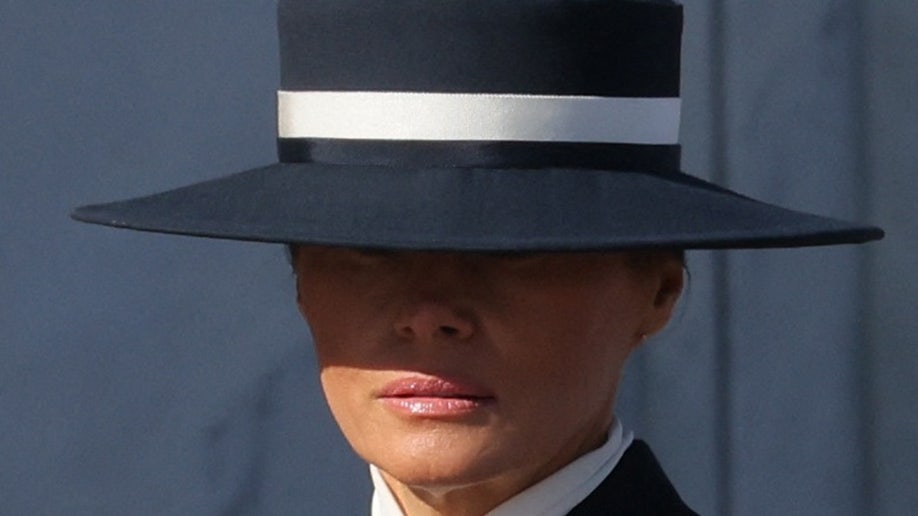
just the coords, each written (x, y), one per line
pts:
(554, 47)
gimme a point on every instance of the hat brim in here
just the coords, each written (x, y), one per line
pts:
(464, 209)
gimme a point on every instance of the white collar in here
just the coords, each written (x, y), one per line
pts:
(553, 496)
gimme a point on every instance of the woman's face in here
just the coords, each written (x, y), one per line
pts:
(471, 371)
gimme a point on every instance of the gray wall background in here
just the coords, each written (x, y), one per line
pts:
(145, 374)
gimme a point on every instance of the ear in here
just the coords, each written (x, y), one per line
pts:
(669, 281)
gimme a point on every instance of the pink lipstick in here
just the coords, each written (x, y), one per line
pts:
(432, 397)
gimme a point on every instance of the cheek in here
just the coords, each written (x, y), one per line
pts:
(336, 319)
(342, 389)
(344, 392)
(572, 350)
(344, 333)
(579, 326)
(572, 367)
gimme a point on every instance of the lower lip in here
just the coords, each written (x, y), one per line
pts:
(434, 407)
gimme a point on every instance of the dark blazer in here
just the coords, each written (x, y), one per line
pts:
(636, 487)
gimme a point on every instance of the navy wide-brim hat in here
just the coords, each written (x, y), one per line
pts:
(477, 125)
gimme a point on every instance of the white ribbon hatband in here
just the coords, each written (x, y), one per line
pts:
(477, 117)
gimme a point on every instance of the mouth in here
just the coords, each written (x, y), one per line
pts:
(434, 397)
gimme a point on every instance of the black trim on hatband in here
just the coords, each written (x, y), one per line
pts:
(497, 155)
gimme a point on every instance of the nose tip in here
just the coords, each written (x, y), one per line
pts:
(433, 319)
(439, 288)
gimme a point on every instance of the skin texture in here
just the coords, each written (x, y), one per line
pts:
(538, 339)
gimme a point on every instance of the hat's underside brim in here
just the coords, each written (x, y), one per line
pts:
(462, 209)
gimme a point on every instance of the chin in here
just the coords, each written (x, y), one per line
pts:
(429, 462)
(438, 474)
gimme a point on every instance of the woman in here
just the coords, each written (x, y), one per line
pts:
(466, 378)
(486, 216)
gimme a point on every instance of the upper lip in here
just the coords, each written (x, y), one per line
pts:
(432, 387)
